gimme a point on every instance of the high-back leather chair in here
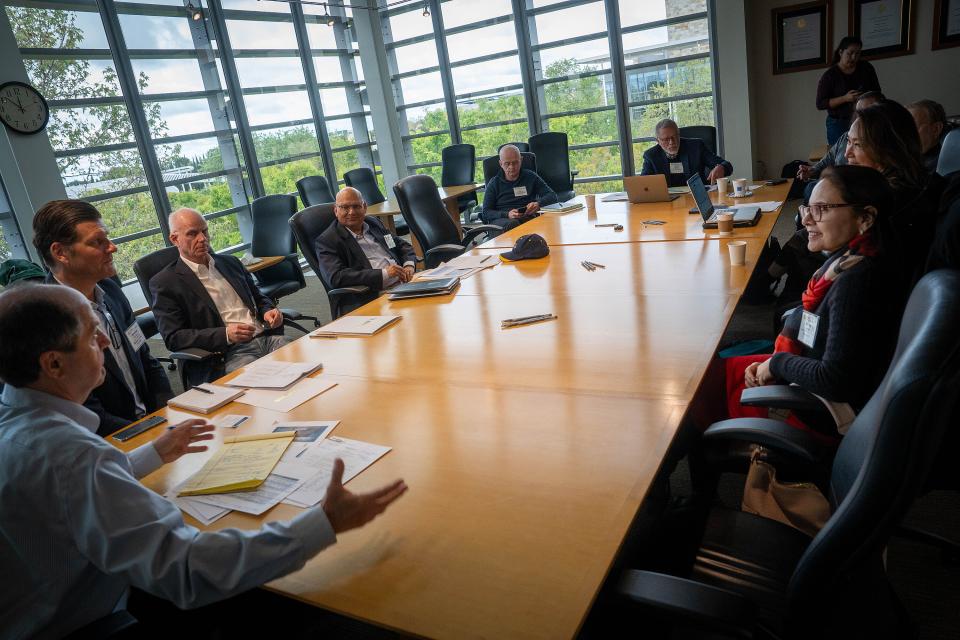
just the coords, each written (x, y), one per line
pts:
(307, 225)
(949, 160)
(702, 132)
(430, 222)
(364, 181)
(272, 237)
(751, 572)
(553, 162)
(145, 268)
(458, 167)
(491, 165)
(314, 190)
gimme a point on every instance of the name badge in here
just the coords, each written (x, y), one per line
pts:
(390, 242)
(676, 167)
(808, 329)
(519, 191)
(135, 336)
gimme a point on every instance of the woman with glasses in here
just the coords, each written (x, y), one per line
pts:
(838, 342)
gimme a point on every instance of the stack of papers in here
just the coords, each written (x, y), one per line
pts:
(619, 196)
(354, 326)
(424, 288)
(272, 374)
(286, 400)
(462, 266)
(562, 208)
(766, 206)
(317, 461)
(242, 463)
(210, 399)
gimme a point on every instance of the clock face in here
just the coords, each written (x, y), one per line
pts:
(22, 108)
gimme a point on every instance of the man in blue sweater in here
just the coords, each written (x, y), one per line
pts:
(514, 195)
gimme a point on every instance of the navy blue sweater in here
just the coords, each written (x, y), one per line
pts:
(499, 198)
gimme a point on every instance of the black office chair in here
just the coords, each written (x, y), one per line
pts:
(430, 222)
(458, 167)
(522, 147)
(754, 577)
(272, 237)
(491, 165)
(364, 180)
(314, 190)
(702, 132)
(307, 225)
(949, 160)
(553, 162)
(145, 268)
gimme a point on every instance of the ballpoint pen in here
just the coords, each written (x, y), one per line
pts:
(595, 264)
(202, 390)
(508, 325)
(539, 315)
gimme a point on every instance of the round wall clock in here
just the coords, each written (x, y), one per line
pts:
(22, 108)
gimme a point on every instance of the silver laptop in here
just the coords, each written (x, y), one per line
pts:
(641, 189)
(743, 216)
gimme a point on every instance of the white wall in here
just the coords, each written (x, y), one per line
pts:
(786, 123)
(732, 53)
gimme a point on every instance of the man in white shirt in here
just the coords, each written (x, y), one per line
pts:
(77, 529)
(209, 301)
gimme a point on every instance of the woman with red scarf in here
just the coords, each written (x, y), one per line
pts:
(838, 343)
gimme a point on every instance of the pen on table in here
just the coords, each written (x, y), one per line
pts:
(485, 258)
(520, 319)
(507, 325)
(586, 265)
(202, 390)
(596, 264)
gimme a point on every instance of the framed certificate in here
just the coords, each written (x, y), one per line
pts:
(946, 24)
(884, 26)
(802, 36)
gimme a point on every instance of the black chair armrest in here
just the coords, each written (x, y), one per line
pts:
(691, 602)
(470, 234)
(772, 434)
(291, 314)
(342, 291)
(105, 627)
(782, 396)
(192, 354)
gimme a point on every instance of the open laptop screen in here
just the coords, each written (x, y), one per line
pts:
(700, 195)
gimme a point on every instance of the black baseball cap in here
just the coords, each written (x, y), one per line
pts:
(528, 247)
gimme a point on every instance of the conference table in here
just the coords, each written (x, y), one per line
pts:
(528, 451)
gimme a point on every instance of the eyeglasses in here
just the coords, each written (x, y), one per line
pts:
(815, 211)
(350, 207)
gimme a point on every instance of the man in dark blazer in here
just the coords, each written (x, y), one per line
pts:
(73, 242)
(209, 301)
(357, 250)
(679, 158)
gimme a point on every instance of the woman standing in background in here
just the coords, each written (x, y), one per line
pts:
(842, 84)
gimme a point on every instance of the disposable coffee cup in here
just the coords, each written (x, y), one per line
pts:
(725, 224)
(591, 200)
(723, 186)
(740, 186)
(738, 252)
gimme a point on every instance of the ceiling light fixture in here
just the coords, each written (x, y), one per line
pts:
(426, 11)
(194, 12)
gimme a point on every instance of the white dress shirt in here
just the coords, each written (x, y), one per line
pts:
(77, 529)
(228, 302)
(378, 256)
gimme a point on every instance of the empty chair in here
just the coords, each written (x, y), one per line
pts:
(753, 574)
(522, 147)
(307, 225)
(553, 162)
(949, 160)
(491, 165)
(314, 190)
(364, 180)
(430, 222)
(272, 237)
(458, 167)
(702, 132)
(145, 268)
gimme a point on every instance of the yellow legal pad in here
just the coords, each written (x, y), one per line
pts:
(241, 464)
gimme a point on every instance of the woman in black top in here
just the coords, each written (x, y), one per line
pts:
(842, 84)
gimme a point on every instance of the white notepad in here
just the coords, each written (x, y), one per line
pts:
(355, 326)
(201, 402)
(273, 374)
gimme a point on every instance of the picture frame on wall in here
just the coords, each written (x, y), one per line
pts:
(886, 27)
(802, 36)
(946, 24)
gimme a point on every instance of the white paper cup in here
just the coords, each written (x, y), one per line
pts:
(739, 186)
(738, 252)
(723, 186)
(591, 200)
(725, 224)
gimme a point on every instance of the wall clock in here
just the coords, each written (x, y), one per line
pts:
(22, 108)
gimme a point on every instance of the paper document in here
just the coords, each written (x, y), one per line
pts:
(319, 458)
(474, 261)
(275, 488)
(561, 208)
(766, 206)
(307, 431)
(355, 326)
(204, 513)
(243, 462)
(272, 374)
(286, 400)
(212, 398)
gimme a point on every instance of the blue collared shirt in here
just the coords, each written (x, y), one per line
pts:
(77, 529)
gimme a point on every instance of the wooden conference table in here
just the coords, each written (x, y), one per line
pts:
(528, 451)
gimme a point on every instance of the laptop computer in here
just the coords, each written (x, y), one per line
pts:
(652, 188)
(743, 216)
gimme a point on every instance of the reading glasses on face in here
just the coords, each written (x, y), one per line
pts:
(815, 211)
(350, 207)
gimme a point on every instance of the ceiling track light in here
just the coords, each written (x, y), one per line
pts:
(426, 10)
(194, 12)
